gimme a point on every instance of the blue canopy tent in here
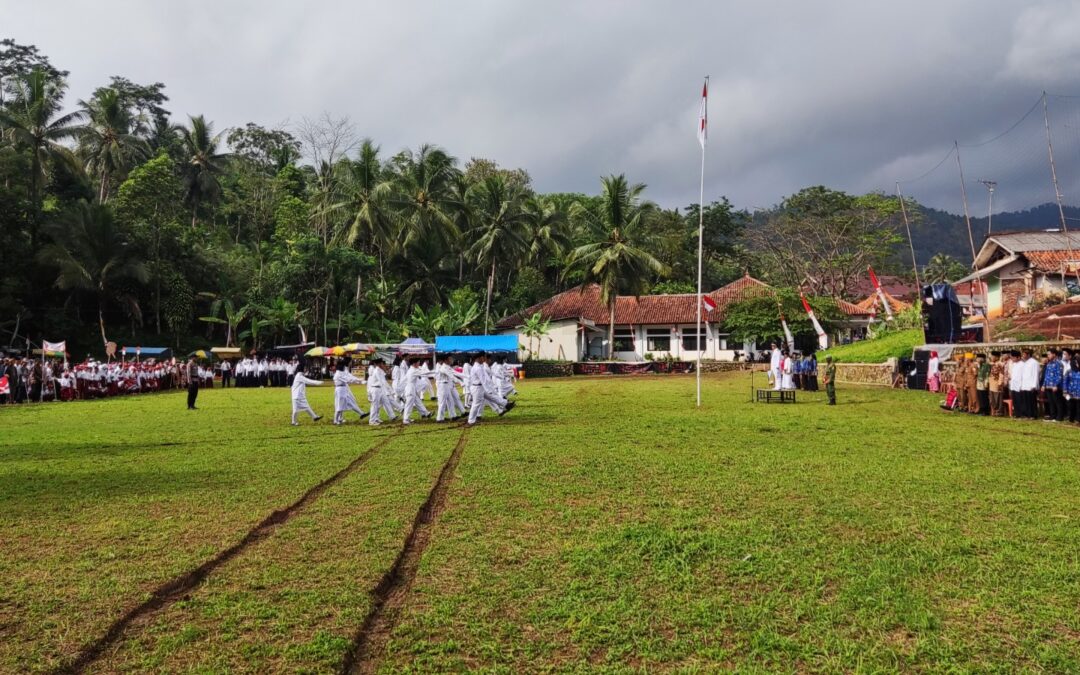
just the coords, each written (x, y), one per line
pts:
(465, 344)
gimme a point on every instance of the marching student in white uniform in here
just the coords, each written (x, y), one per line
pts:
(445, 377)
(457, 379)
(299, 397)
(425, 383)
(482, 391)
(412, 388)
(343, 396)
(397, 381)
(466, 368)
(378, 392)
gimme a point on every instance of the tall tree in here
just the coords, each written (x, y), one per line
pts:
(107, 141)
(614, 260)
(32, 120)
(204, 164)
(422, 198)
(823, 240)
(501, 233)
(93, 254)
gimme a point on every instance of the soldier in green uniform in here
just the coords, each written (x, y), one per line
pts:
(830, 380)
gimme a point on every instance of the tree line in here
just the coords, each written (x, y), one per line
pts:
(124, 222)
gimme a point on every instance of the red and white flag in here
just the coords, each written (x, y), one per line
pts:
(4, 387)
(707, 303)
(880, 294)
(788, 337)
(703, 116)
(822, 338)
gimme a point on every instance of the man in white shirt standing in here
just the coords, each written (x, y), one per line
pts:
(775, 359)
(1029, 383)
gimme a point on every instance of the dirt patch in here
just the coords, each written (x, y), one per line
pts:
(389, 594)
(179, 587)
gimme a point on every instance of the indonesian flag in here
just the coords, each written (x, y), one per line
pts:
(5, 388)
(707, 303)
(703, 116)
(822, 338)
(880, 294)
(788, 337)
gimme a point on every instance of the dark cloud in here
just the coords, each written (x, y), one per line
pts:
(850, 94)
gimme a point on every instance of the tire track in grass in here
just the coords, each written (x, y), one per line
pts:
(389, 594)
(177, 588)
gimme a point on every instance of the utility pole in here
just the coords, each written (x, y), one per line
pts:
(990, 186)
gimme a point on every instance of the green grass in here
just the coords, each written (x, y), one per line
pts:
(896, 344)
(605, 523)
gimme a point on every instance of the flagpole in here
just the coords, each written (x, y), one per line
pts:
(700, 243)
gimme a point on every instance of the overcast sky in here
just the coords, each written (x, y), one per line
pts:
(851, 94)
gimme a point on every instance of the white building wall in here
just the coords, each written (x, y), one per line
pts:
(562, 342)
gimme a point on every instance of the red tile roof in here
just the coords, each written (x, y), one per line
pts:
(584, 302)
(851, 309)
(1051, 261)
(895, 286)
(870, 303)
(1066, 323)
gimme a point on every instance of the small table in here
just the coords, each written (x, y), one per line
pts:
(775, 395)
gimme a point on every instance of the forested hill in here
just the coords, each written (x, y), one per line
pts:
(938, 231)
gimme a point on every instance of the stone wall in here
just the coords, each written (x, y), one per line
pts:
(863, 373)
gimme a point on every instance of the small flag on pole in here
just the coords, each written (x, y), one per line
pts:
(708, 303)
(788, 337)
(822, 338)
(880, 294)
(703, 116)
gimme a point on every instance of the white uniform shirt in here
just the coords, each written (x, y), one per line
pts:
(1030, 375)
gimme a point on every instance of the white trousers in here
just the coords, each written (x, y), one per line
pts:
(480, 398)
(380, 401)
(413, 403)
(778, 379)
(299, 406)
(344, 401)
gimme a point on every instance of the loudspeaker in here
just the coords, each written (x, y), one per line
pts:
(917, 382)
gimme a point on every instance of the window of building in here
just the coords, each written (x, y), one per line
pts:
(624, 340)
(691, 339)
(722, 338)
(658, 339)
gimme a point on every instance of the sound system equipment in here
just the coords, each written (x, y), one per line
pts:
(942, 314)
(917, 382)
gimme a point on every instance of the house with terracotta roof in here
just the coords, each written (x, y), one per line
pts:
(1020, 268)
(660, 325)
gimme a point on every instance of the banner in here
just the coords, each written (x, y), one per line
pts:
(54, 347)
(5, 388)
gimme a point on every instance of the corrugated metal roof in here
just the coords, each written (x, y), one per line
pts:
(1019, 242)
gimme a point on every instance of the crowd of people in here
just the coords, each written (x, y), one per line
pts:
(1012, 383)
(793, 370)
(254, 371)
(24, 380)
(483, 384)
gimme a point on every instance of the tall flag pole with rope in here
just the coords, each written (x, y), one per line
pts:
(703, 136)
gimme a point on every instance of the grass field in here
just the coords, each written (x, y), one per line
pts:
(898, 344)
(604, 524)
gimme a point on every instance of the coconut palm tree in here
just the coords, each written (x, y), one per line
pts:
(108, 142)
(231, 317)
(614, 260)
(500, 233)
(548, 236)
(365, 187)
(93, 254)
(204, 164)
(421, 197)
(32, 120)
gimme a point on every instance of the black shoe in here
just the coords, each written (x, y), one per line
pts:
(316, 418)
